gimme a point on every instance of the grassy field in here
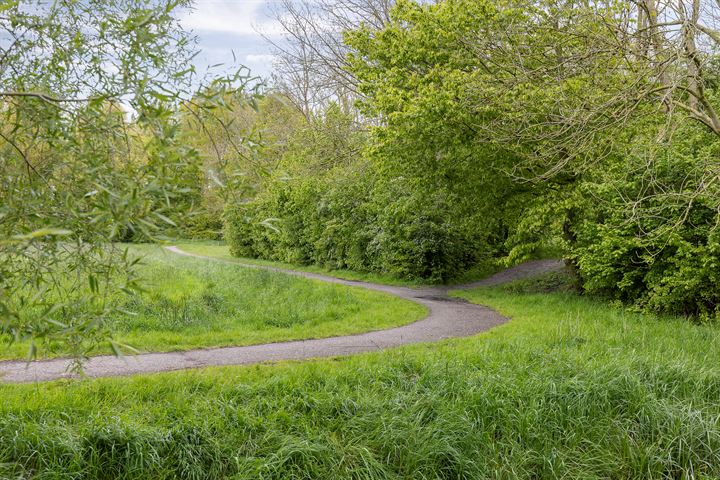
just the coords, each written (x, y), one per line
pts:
(191, 303)
(570, 388)
(221, 251)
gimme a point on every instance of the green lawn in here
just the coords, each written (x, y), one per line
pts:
(221, 251)
(570, 388)
(192, 303)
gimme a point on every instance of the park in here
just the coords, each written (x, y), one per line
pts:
(359, 239)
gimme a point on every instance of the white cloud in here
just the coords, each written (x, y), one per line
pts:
(260, 58)
(231, 32)
(239, 17)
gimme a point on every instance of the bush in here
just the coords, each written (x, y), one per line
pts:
(674, 271)
(202, 225)
(664, 253)
(343, 220)
(238, 229)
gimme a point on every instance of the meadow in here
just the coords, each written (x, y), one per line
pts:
(570, 388)
(194, 303)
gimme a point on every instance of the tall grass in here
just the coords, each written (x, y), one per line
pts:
(191, 303)
(569, 388)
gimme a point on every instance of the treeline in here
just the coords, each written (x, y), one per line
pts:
(331, 202)
(451, 134)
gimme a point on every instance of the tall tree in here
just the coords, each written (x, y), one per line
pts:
(311, 66)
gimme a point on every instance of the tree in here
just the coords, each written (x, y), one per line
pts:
(603, 114)
(311, 66)
(90, 151)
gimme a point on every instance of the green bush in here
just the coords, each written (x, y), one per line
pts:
(345, 220)
(238, 229)
(202, 225)
(664, 253)
(423, 236)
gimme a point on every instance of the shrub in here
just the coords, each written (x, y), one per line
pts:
(238, 229)
(346, 220)
(663, 254)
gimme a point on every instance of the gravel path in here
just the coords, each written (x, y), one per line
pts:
(447, 318)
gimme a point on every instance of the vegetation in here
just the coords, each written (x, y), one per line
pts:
(590, 128)
(221, 251)
(329, 205)
(568, 389)
(190, 303)
(409, 143)
(401, 142)
(90, 154)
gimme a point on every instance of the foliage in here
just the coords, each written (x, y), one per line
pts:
(90, 154)
(553, 136)
(303, 210)
(330, 204)
(221, 251)
(662, 251)
(227, 138)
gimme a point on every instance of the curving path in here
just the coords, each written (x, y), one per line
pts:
(447, 318)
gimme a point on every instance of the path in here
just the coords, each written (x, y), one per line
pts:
(447, 318)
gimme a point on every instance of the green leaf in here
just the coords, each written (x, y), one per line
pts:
(7, 5)
(93, 283)
(267, 223)
(165, 219)
(32, 352)
(44, 232)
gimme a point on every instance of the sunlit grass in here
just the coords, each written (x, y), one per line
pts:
(570, 388)
(192, 303)
(221, 251)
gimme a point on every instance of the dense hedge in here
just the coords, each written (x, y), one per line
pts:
(344, 219)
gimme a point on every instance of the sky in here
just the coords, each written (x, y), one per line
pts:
(227, 26)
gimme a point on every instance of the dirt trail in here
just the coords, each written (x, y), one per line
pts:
(447, 318)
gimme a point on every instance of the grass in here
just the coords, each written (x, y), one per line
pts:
(221, 251)
(192, 303)
(570, 388)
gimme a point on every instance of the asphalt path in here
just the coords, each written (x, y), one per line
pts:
(447, 317)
